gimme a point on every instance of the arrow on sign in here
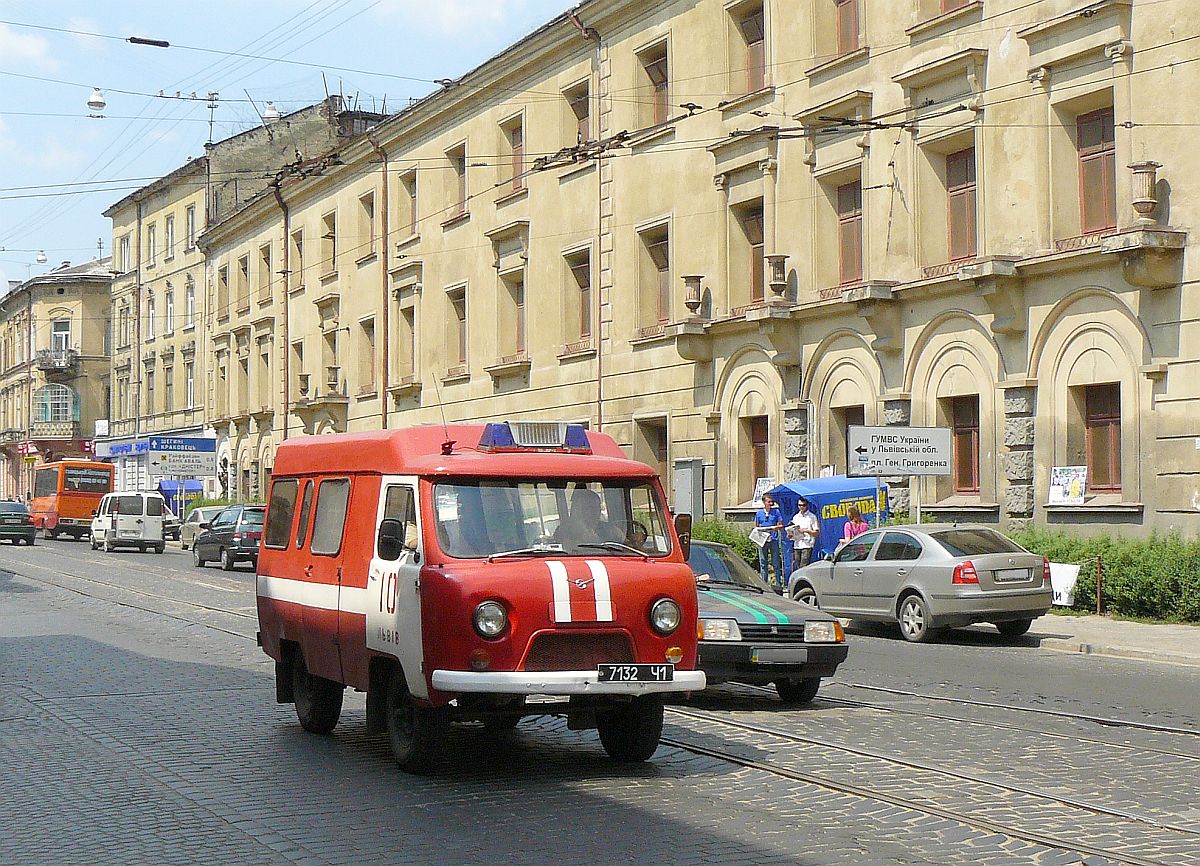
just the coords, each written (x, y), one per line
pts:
(860, 450)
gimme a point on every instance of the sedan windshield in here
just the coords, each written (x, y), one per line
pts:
(478, 519)
(723, 565)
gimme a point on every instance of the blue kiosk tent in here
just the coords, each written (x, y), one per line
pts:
(828, 498)
(179, 493)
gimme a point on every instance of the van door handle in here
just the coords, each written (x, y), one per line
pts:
(308, 570)
(139, 520)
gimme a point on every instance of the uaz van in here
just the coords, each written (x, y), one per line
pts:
(130, 519)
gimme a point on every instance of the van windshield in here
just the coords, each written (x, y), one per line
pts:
(478, 519)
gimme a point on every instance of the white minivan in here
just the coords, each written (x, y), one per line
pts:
(130, 519)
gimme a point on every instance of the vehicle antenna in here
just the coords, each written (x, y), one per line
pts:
(448, 443)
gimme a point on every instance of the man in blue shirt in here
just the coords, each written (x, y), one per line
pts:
(769, 520)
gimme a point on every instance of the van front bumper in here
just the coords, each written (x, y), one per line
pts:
(558, 683)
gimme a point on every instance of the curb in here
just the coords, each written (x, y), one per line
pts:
(1075, 646)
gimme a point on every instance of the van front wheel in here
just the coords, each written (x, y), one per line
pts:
(415, 733)
(630, 732)
(318, 700)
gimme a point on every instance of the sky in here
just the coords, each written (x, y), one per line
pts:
(60, 168)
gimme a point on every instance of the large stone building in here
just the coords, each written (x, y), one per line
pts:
(727, 231)
(158, 293)
(53, 368)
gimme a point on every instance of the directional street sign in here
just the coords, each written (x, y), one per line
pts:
(899, 451)
(182, 456)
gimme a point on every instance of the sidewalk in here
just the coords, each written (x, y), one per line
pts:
(1098, 635)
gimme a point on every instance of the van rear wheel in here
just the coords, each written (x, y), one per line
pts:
(415, 733)
(318, 700)
(630, 732)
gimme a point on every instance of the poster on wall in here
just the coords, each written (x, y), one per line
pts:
(1067, 485)
(761, 486)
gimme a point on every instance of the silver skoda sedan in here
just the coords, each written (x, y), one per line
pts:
(928, 577)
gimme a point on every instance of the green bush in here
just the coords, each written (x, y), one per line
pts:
(1153, 578)
(736, 535)
(201, 502)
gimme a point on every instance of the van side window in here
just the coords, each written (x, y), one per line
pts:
(305, 509)
(280, 511)
(330, 517)
(131, 505)
(399, 504)
(154, 506)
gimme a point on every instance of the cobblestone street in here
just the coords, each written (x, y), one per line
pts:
(138, 725)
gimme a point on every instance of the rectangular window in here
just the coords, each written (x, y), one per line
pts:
(580, 288)
(458, 308)
(410, 215)
(652, 446)
(329, 520)
(366, 356)
(1095, 138)
(961, 214)
(189, 383)
(656, 276)
(850, 232)
(305, 511)
(281, 509)
(189, 299)
(964, 412)
(458, 188)
(366, 226)
(751, 221)
(579, 114)
(189, 226)
(758, 430)
(243, 283)
(151, 406)
(300, 385)
(329, 249)
(847, 25)
(151, 245)
(125, 264)
(169, 312)
(296, 265)
(657, 84)
(844, 418)
(60, 335)
(1102, 420)
(266, 278)
(752, 28)
(263, 385)
(514, 138)
(406, 340)
(168, 388)
(169, 237)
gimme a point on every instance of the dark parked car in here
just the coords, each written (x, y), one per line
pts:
(232, 537)
(15, 523)
(751, 635)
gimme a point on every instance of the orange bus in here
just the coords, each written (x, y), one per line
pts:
(66, 495)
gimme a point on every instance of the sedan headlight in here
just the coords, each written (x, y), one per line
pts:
(491, 619)
(719, 629)
(823, 632)
(665, 616)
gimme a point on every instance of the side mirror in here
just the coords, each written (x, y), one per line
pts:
(204, 524)
(93, 513)
(828, 557)
(390, 540)
(683, 527)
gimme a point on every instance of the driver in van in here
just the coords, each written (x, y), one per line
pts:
(586, 523)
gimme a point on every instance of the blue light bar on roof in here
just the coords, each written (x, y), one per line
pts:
(535, 436)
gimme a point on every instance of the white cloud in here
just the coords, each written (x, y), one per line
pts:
(17, 48)
(454, 17)
(49, 155)
(86, 25)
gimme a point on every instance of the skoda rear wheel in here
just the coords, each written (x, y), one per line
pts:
(318, 700)
(631, 732)
(415, 733)
(915, 622)
(798, 691)
(1014, 627)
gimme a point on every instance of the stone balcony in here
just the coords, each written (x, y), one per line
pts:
(54, 430)
(57, 361)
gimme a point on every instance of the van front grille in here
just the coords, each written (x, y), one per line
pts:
(577, 652)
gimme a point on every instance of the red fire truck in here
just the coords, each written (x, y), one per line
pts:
(479, 573)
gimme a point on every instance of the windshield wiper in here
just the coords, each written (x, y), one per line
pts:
(615, 545)
(536, 550)
(729, 584)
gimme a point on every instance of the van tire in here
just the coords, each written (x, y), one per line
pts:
(109, 547)
(318, 700)
(159, 548)
(415, 733)
(631, 732)
(49, 534)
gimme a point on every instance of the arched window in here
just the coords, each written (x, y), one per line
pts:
(189, 300)
(150, 316)
(169, 310)
(54, 402)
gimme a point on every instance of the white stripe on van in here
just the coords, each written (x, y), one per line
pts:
(562, 590)
(604, 611)
(322, 596)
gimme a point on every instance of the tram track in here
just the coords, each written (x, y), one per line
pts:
(922, 805)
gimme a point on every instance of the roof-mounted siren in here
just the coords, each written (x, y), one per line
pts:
(535, 436)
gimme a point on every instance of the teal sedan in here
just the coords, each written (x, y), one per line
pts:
(15, 523)
(748, 634)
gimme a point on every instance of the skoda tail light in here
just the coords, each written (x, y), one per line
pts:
(1045, 572)
(965, 573)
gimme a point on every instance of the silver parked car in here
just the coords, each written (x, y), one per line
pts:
(930, 576)
(197, 521)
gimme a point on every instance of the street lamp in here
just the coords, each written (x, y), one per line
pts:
(41, 257)
(96, 102)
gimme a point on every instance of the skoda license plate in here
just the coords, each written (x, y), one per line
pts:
(636, 673)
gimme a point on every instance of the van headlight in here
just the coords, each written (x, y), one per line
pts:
(665, 616)
(720, 629)
(491, 619)
(823, 631)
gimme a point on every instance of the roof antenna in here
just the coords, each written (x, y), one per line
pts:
(448, 443)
